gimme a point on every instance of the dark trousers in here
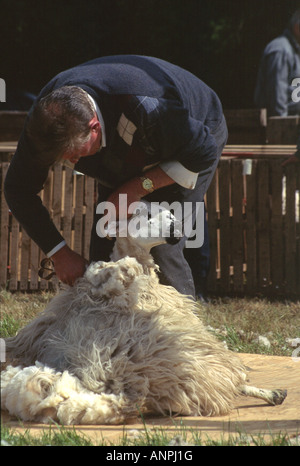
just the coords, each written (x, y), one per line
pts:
(179, 267)
(199, 262)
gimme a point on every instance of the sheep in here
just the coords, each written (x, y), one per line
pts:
(119, 344)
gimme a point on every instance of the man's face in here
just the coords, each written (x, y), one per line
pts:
(91, 146)
(296, 31)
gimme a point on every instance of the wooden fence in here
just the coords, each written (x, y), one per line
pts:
(253, 223)
(254, 228)
(69, 197)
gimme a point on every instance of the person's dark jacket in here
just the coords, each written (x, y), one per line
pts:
(153, 112)
(280, 64)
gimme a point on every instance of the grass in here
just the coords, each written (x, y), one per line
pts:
(17, 309)
(49, 437)
(154, 437)
(239, 322)
(235, 321)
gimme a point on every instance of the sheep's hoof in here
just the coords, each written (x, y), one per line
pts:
(278, 397)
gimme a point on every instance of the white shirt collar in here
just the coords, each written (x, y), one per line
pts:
(100, 118)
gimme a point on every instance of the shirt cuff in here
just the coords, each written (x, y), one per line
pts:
(180, 174)
(56, 248)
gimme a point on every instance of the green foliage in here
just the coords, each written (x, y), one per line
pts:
(9, 326)
(180, 435)
(48, 437)
(219, 40)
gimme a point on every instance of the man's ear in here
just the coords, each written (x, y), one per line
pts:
(95, 124)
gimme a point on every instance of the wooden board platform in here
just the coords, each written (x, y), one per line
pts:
(8, 146)
(250, 416)
(260, 151)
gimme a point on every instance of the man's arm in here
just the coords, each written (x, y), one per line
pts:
(166, 132)
(135, 190)
(25, 179)
(277, 89)
(183, 145)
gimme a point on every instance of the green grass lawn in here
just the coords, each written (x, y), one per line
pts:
(154, 438)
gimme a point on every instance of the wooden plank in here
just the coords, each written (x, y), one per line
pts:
(68, 205)
(47, 201)
(225, 240)
(211, 202)
(4, 229)
(6, 156)
(277, 240)
(251, 221)
(78, 216)
(14, 254)
(290, 231)
(47, 191)
(266, 150)
(34, 266)
(24, 266)
(283, 130)
(8, 146)
(57, 196)
(246, 118)
(263, 228)
(298, 229)
(11, 125)
(237, 224)
(56, 206)
(89, 215)
(246, 126)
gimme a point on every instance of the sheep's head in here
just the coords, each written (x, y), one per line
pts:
(150, 225)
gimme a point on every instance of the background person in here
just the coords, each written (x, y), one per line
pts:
(280, 65)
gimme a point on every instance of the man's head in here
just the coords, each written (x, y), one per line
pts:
(64, 125)
(294, 25)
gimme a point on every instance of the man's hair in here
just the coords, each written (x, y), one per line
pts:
(59, 123)
(295, 19)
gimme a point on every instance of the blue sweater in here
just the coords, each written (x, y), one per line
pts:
(170, 116)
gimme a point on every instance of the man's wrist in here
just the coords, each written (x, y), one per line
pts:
(147, 184)
(155, 178)
(60, 255)
(56, 249)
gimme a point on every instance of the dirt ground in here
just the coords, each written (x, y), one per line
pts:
(250, 416)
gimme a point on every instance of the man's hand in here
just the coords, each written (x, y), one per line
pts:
(68, 265)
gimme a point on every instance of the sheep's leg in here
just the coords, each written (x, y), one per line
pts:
(273, 397)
